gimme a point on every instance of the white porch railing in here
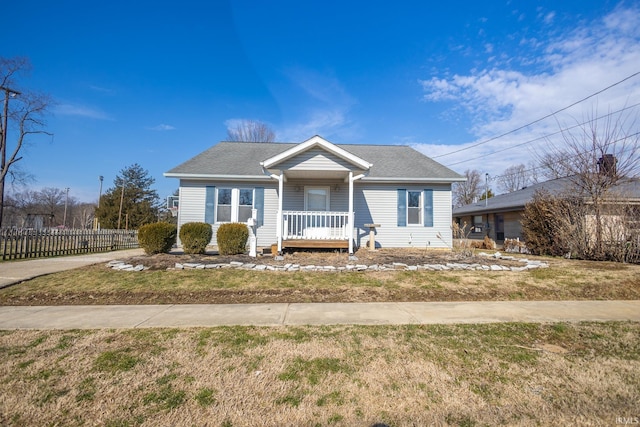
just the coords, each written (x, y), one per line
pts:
(315, 225)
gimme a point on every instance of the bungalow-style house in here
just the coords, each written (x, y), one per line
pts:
(499, 217)
(316, 194)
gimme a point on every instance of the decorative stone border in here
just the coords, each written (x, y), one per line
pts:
(528, 265)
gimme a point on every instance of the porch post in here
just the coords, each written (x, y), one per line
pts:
(280, 197)
(350, 231)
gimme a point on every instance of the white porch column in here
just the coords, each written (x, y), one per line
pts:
(280, 197)
(352, 179)
(350, 230)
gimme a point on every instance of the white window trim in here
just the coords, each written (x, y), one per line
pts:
(317, 187)
(420, 209)
(235, 202)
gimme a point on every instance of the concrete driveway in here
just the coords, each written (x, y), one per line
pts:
(12, 272)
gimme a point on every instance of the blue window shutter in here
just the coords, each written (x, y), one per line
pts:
(428, 207)
(210, 205)
(258, 204)
(402, 208)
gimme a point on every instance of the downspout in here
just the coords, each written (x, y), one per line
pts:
(351, 213)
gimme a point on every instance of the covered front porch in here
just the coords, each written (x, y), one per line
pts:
(315, 195)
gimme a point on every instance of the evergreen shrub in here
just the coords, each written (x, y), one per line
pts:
(195, 236)
(232, 238)
(157, 237)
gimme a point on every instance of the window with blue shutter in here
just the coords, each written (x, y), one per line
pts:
(402, 208)
(427, 195)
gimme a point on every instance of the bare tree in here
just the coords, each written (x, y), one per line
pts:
(514, 178)
(250, 131)
(596, 156)
(468, 191)
(83, 214)
(47, 203)
(550, 168)
(52, 200)
(22, 111)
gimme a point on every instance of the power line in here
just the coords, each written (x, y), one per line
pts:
(542, 137)
(573, 157)
(540, 119)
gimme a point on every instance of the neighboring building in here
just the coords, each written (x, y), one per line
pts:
(499, 217)
(318, 194)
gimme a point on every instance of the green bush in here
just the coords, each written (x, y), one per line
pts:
(232, 238)
(157, 238)
(195, 236)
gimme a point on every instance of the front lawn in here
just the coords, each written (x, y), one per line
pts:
(563, 280)
(465, 375)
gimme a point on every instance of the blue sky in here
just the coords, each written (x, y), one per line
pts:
(156, 83)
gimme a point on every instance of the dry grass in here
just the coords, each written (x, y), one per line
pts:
(564, 280)
(463, 375)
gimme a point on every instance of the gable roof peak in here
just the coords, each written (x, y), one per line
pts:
(317, 141)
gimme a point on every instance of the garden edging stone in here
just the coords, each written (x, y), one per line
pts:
(528, 265)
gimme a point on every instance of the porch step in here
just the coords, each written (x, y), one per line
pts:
(313, 244)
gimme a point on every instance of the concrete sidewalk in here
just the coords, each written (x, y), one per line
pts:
(12, 272)
(152, 316)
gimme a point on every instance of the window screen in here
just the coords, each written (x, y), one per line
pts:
(413, 207)
(224, 205)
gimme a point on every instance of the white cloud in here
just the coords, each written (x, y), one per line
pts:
(162, 127)
(568, 68)
(103, 90)
(80, 110)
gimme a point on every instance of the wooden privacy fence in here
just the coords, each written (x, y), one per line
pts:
(30, 243)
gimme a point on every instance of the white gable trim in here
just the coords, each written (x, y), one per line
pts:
(316, 141)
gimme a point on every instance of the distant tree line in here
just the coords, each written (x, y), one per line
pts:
(45, 208)
(130, 203)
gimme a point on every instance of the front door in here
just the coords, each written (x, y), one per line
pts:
(316, 199)
(499, 223)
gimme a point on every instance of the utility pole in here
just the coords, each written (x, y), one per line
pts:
(66, 202)
(95, 217)
(486, 189)
(101, 178)
(121, 200)
(8, 93)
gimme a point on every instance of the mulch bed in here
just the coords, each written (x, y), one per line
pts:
(321, 258)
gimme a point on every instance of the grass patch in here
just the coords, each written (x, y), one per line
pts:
(292, 399)
(86, 390)
(205, 397)
(230, 340)
(333, 398)
(313, 370)
(167, 397)
(116, 361)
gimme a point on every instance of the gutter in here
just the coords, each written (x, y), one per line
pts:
(217, 177)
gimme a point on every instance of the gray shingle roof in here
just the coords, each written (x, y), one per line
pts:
(243, 159)
(516, 200)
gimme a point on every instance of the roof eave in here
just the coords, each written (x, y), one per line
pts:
(489, 209)
(216, 176)
(411, 179)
